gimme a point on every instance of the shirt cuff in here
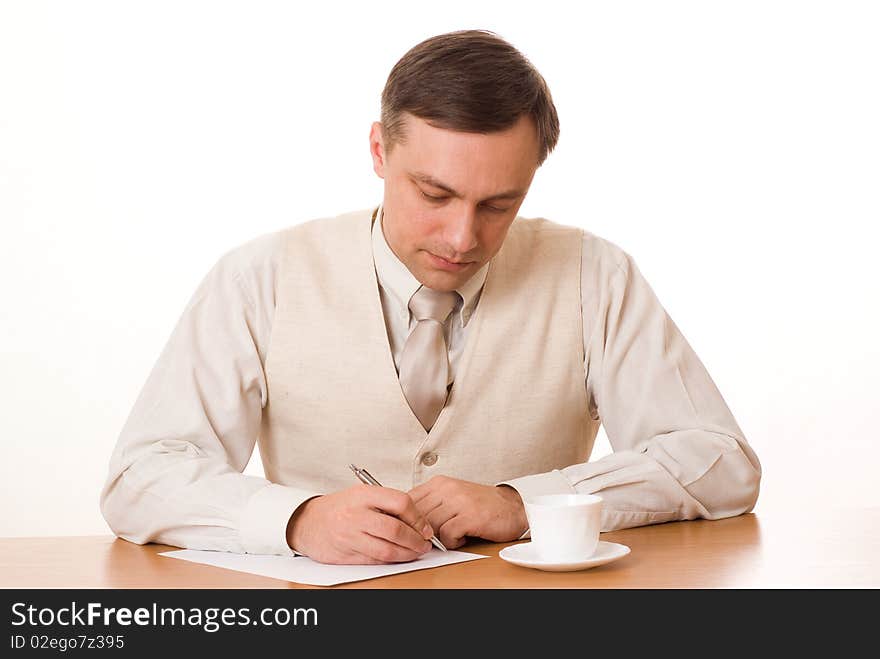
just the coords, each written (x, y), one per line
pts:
(552, 482)
(264, 524)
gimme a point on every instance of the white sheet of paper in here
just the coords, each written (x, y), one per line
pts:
(301, 569)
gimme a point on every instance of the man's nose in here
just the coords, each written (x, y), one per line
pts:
(461, 232)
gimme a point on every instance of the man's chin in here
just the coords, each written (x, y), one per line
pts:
(443, 281)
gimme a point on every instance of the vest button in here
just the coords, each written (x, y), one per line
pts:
(429, 459)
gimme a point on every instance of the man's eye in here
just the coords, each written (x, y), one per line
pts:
(438, 200)
(431, 197)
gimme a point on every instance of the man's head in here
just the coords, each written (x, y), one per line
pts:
(466, 122)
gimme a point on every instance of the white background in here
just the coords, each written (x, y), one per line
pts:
(732, 148)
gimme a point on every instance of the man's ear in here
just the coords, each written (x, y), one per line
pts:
(377, 149)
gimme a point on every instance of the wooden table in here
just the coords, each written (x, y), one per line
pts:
(831, 549)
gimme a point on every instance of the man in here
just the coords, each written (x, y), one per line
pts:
(463, 355)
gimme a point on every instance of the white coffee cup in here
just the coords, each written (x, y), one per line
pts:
(564, 527)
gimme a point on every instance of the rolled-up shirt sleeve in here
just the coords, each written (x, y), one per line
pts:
(678, 452)
(175, 474)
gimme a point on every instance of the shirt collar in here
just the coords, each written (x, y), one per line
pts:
(396, 279)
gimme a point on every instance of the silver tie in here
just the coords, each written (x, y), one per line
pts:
(424, 362)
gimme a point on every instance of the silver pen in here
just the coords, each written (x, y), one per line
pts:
(365, 477)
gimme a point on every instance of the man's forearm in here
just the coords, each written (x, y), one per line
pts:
(638, 487)
(180, 498)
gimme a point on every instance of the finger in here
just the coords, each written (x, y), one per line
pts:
(400, 505)
(349, 557)
(420, 492)
(383, 551)
(436, 485)
(439, 518)
(427, 502)
(453, 533)
(439, 514)
(357, 558)
(393, 530)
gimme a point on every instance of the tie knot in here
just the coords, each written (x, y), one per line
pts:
(437, 305)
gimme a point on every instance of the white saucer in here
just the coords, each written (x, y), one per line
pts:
(524, 554)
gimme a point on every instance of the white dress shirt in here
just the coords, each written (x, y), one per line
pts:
(397, 285)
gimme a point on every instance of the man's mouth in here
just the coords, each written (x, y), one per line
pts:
(447, 264)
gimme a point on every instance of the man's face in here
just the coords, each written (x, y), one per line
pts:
(450, 197)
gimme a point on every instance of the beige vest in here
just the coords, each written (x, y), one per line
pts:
(518, 405)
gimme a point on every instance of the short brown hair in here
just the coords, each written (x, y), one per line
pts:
(471, 81)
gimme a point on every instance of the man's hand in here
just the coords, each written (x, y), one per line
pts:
(364, 524)
(457, 508)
